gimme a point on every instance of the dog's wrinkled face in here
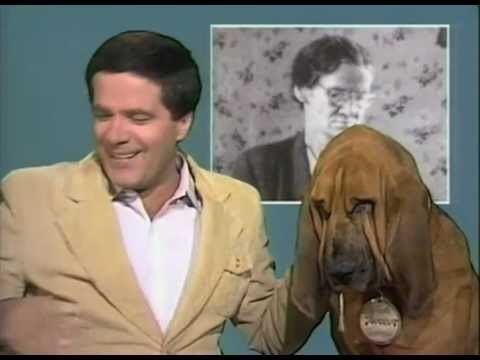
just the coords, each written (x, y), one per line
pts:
(348, 259)
(369, 211)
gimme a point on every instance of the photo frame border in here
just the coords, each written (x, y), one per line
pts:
(448, 107)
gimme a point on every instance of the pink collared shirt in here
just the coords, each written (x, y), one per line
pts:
(160, 250)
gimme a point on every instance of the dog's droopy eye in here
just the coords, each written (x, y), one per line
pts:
(362, 208)
(320, 206)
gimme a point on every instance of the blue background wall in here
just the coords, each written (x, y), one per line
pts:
(44, 113)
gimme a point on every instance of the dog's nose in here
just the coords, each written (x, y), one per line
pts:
(342, 272)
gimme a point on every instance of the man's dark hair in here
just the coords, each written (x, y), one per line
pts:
(156, 57)
(323, 56)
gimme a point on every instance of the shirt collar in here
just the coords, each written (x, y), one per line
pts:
(186, 190)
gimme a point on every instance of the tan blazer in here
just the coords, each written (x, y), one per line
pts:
(60, 235)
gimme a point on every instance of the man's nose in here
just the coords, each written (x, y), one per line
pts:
(118, 130)
(350, 107)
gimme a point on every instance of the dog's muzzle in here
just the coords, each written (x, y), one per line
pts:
(352, 268)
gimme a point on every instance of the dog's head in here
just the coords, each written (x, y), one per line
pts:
(369, 210)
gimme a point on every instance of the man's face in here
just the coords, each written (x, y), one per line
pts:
(135, 133)
(338, 101)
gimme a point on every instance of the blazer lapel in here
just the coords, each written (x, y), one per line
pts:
(91, 228)
(218, 230)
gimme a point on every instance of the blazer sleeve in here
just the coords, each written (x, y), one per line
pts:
(12, 284)
(278, 316)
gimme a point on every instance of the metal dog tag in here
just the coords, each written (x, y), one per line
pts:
(380, 321)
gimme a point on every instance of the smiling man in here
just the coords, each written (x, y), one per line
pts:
(331, 79)
(136, 249)
(136, 136)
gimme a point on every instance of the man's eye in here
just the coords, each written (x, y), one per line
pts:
(140, 118)
(337, 94)
(101, 116)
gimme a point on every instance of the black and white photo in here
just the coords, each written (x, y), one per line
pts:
(280, 93)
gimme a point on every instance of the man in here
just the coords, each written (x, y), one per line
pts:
(136, 249)
(331, 78)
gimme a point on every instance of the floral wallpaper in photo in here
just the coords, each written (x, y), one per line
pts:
(253, 102)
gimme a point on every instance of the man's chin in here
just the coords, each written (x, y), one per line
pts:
(122, 183)
(337, 129)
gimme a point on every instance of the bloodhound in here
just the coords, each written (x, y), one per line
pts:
(396, 265)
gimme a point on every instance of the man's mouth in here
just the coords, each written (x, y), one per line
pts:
(124, 156)
(341, 123)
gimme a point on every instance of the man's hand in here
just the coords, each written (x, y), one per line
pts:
(40, 325)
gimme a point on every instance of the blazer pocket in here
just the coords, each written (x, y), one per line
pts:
(232, 286)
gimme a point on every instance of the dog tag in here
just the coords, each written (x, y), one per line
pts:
(380, 321)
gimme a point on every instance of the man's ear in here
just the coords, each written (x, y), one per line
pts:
(301, 94)
(183, 126)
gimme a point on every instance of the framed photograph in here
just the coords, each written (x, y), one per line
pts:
(254, 104)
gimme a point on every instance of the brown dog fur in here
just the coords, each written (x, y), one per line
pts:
(419, 258)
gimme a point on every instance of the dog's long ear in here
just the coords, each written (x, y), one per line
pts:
(309, 235)
(307, 279)
(409, 250)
